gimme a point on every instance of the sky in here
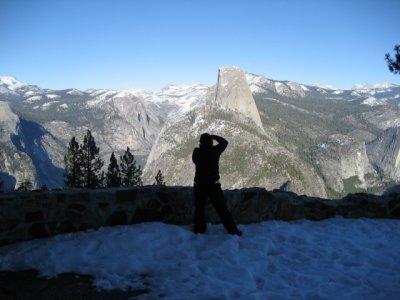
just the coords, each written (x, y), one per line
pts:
(150, 44)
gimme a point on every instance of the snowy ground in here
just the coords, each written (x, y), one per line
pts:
(332, 259)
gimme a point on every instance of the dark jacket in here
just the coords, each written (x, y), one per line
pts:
(206, 160)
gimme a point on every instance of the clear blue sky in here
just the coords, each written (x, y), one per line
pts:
(148, 44)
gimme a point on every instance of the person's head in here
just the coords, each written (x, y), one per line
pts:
(206, 140)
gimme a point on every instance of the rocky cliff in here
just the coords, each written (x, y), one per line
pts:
(15, 165)
(233, 94)
(384, 154)
(344, 164)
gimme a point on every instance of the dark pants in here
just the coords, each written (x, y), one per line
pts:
(213, 191)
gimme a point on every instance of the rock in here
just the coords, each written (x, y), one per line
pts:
(233, 94)
(384, 153)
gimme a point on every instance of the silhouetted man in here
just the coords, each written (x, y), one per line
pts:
(207, 184)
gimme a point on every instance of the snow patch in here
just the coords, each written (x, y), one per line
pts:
(33, 99)
(29, 93)
(304, 88)
(372, 101)
(106, 95)
(47, 105)
(96, 93)
(93, 103)
(337, 92)
(75, 92)
(52, 96)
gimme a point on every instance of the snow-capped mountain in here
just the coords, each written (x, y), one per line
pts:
(276, 130)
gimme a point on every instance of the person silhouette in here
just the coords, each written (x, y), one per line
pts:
(207, 184)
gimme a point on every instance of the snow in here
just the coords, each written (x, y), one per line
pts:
(64, 105)
(75, 92)
(337, 92)
(52, 96)
(33, 99)
(96, 93)
(93, 103)
(11, 83)
(304, 88)
(372, 101)
(29, 93)
(324, 86)
(258, 84)
(331, 259)
(47, 105)
(106, 95)
(185, 97)
(5, 90)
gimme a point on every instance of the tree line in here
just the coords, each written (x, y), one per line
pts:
(83, 167)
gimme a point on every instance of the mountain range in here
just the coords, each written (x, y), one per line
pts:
(304, 138)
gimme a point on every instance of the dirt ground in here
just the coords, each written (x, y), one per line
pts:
(26, 285)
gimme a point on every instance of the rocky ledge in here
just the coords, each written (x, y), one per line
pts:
(30, 215)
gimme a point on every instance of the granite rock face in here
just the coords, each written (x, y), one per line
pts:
(384, 153)
(233, 94)
(343, 161)
(30, 215)
(13, 161)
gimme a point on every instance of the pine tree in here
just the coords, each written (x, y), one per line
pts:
(91, 162)
(25, 186)
(73, 164)
(159, 178)
(130, 174)
(113, 176)
(394, 64)
(103, 181)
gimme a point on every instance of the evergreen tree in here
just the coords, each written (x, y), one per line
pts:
(130, 174)
(159, 178)
(91, 162)
(73, 164)
(113, 176)
(103, 181)
(25, 186)
(394, 64)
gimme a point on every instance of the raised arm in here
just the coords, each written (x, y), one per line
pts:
(222, 143)
(195, 155)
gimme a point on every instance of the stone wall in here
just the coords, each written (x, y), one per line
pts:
(25, 216)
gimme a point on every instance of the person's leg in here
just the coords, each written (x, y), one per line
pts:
(200, 199)
(218, 201)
